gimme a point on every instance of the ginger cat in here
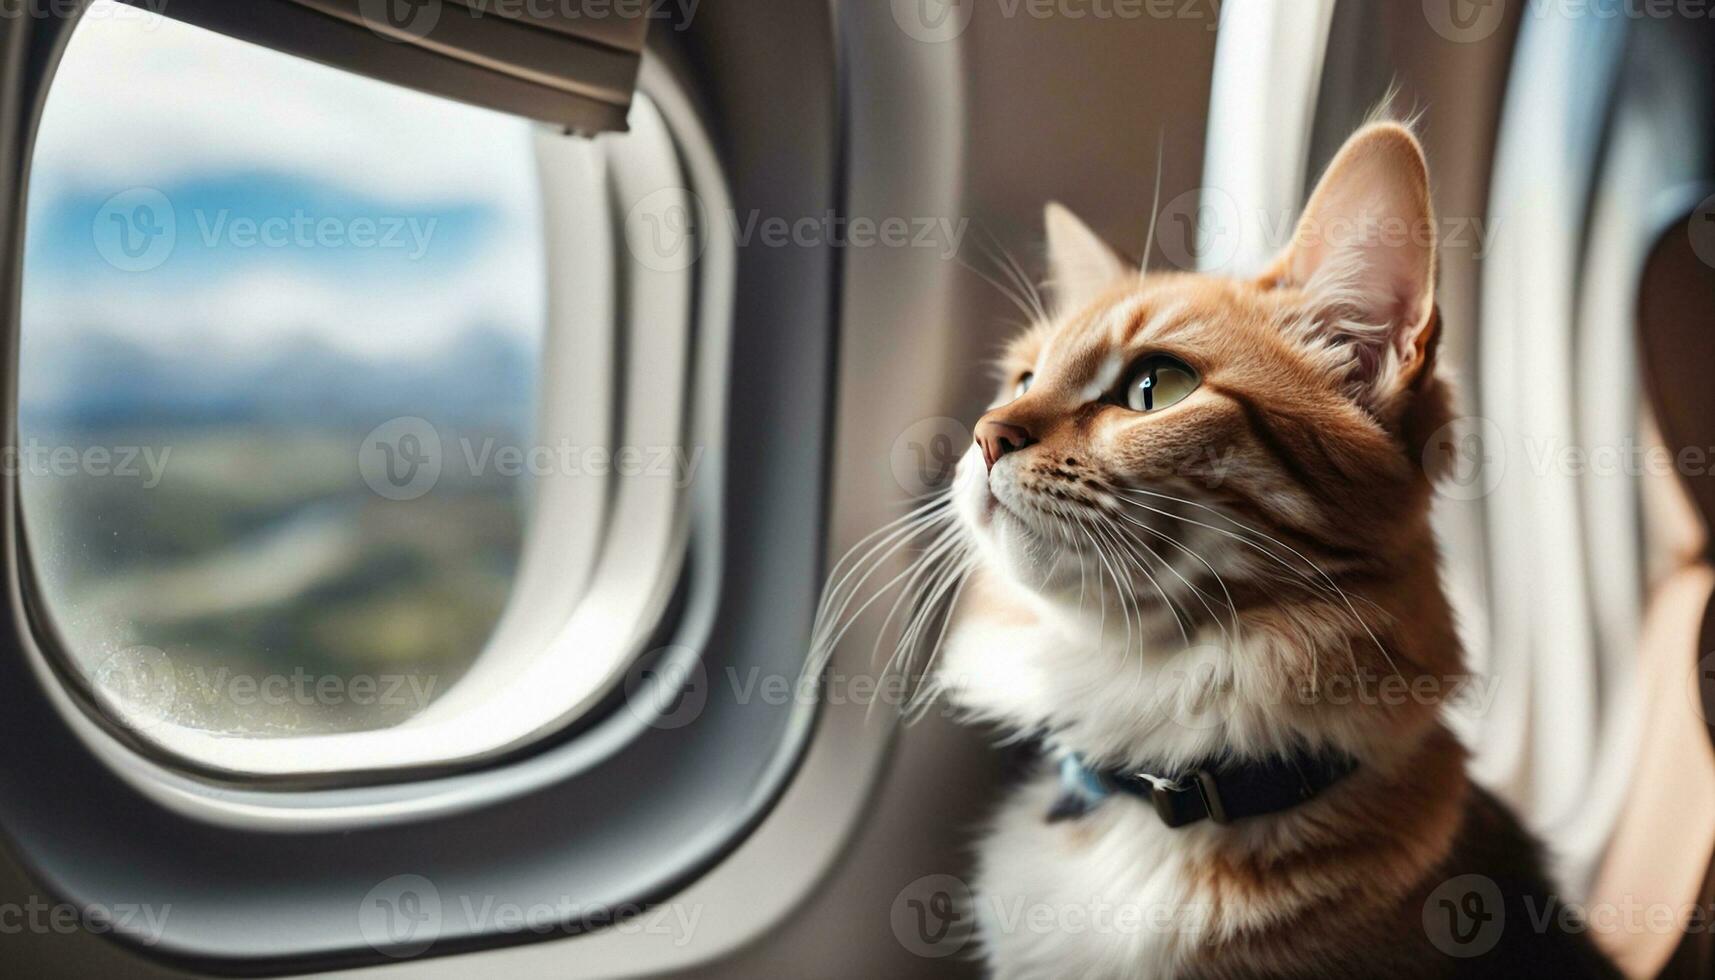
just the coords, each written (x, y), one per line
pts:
(1189, 539)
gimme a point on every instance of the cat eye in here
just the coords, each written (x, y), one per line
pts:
(1160, 381)
(1023, 385)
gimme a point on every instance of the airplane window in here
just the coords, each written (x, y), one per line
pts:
(281, 328)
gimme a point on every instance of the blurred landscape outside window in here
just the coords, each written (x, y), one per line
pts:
(277, 321)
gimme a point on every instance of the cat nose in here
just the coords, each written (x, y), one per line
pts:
(998, 438)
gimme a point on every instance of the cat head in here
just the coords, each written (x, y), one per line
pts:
(1157, 434)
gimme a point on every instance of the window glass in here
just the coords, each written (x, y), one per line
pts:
(277, 321)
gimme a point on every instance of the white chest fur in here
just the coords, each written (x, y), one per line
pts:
(1115, 893)
(1103, 896)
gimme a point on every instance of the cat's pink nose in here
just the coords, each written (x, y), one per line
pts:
(998, 438)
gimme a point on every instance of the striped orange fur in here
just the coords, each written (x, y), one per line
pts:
(1243, 571)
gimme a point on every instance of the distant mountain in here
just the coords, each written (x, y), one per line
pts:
(484, 377)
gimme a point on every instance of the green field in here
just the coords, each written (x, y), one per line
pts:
(260, 554)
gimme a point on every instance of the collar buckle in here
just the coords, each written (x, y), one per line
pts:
(1194, 796)
(1222, 794)
(1210, 790)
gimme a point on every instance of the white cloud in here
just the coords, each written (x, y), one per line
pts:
(265, 306)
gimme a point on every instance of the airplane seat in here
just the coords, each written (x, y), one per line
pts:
(1661, 852)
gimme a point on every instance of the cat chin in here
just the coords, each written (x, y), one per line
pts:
(1007, 542)
(1049, 577)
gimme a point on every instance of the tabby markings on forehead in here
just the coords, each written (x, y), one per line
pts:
(1041, 366)
(1104, 379)
(1120, 319)
(1160, 320)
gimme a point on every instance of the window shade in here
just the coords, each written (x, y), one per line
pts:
(571, 62)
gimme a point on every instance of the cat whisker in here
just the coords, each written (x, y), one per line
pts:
(832, 623)
(1022, 303)
(835, 617)
(935, 510)
(1127, 598)
(823, 645)
(1096, 533)
(1155, 206)
(1070, 522)
(1137, 681)
(1101, 590)
(900, 661)
(1118, 539)
(1014, 271)
(1019, 289)
(1328, 579)
(1065, 523)
(1242, 538)
(1202, 597)
(924, 569)
(918, 703)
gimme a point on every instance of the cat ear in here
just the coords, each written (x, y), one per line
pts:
(1081, 266)
(1364, 252)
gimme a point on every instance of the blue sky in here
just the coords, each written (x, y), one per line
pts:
(231, 133)
(413, 240)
